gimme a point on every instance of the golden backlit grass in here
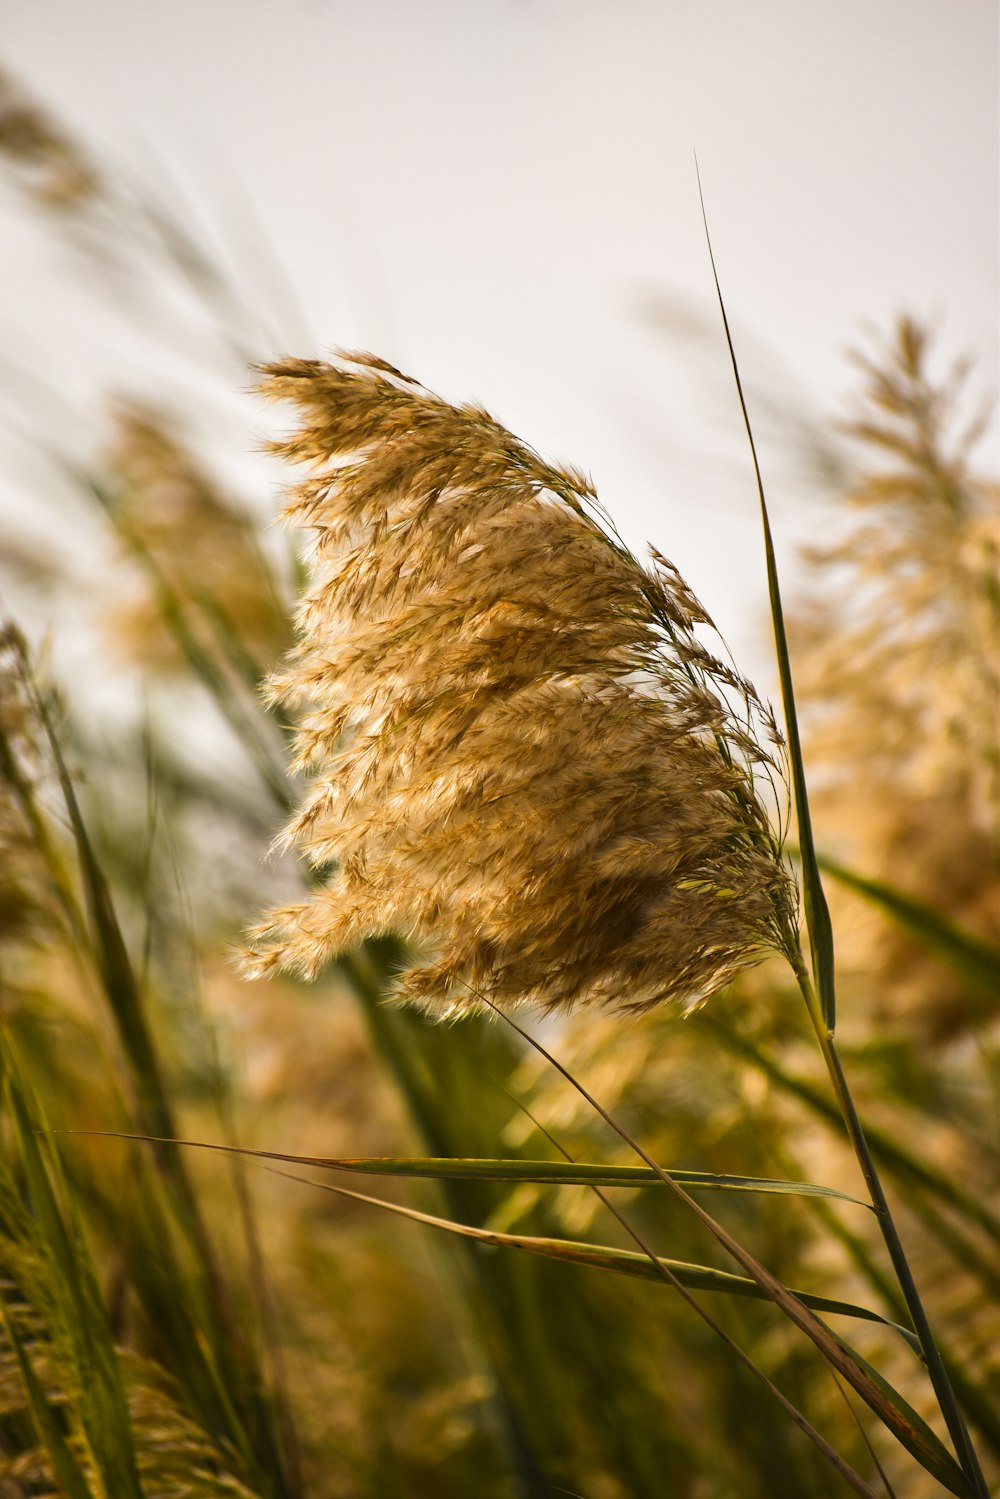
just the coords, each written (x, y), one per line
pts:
(553, 783)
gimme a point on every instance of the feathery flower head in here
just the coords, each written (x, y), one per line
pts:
(524, 760)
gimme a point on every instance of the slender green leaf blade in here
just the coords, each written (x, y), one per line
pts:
(915, 1435)
(546, 1173)
(817, 911)
(892, 1409)
(622, 1261)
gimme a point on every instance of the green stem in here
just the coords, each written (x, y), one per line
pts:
(932, 1357)
(977, 1404)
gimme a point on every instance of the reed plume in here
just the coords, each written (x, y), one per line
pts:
(525, 761)
(899, 657)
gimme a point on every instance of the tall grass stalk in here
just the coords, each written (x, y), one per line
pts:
(818, 989)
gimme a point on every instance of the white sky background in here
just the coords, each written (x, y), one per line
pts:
(494, 196)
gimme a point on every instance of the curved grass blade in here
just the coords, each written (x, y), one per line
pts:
(817, 912)
(820, 994)
(558, 1173)
(801, 1316)
(975, 1400)
(914, 1433)
(652, 1266)
(909, 1429)
(472, 1168)
(881, 1398)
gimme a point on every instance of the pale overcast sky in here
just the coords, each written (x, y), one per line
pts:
(501, 198)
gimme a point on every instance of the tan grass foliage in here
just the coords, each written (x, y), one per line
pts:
(525, 759)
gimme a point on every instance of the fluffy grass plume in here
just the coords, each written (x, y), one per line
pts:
(524, 759)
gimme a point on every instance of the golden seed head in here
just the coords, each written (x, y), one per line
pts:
(524, 760)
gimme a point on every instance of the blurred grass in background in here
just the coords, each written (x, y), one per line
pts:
(181, 1323)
